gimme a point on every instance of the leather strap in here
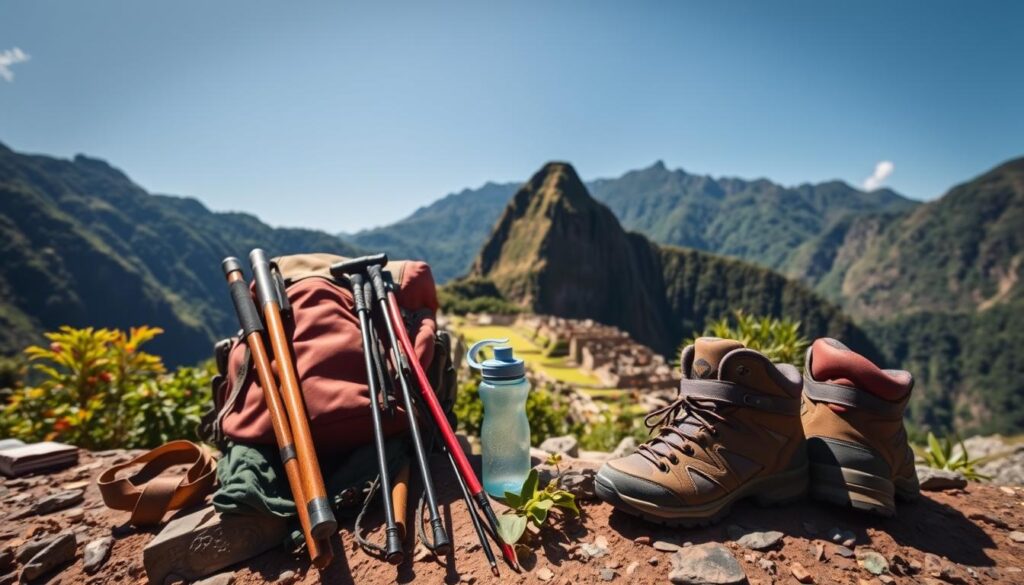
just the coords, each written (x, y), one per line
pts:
(730, 393)
(149, 494)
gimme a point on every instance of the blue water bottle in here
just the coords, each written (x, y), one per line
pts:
(505, 433)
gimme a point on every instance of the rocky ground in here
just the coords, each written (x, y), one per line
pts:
(55, 529)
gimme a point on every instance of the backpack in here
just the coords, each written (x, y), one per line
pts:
(327, 348)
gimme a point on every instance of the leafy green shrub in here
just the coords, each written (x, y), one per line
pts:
(778, 339)
(939, 454)
(473, 295)
(613, 425)
(547, 417)
(533, 506)
(96, 389)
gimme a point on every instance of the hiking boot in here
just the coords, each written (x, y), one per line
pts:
(732, 432)
(853, 419)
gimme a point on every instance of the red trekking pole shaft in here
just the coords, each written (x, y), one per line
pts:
(447, 434)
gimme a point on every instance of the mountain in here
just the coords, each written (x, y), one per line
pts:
(726, 216)
(84, 245)
(447, 233)
(558, 251)
(961, 252)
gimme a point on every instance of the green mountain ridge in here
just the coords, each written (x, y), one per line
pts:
(85, 246)
(556, 250)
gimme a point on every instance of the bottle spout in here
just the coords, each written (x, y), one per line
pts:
(503, 366)
(475, 349)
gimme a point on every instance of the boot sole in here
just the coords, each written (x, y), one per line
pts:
(772, 490)
(856, 489)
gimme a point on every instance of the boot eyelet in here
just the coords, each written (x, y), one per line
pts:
(674, 459)
(663, 467)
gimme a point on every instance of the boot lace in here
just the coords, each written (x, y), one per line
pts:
(667, 420)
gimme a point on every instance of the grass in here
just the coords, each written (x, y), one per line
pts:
(557, 368)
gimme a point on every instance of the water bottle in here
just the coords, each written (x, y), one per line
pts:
(505, 433)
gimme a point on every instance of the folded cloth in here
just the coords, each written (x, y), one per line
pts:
(252, 478)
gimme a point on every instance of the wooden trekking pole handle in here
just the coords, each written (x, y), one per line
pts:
(400, 498)
(321, 518)
(252, 328)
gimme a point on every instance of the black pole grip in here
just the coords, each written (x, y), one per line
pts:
(248, 316)
(265, 291)
(377, 278)
(359, 264)
(356, 280)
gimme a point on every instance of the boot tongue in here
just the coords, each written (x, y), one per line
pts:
(708, 353)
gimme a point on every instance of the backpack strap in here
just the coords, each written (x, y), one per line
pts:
(148, 493)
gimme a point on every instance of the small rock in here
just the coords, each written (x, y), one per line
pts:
(75, 515)
(75, 485)
(1007, 490)
(989, 519)
(939, 479)
(873, 562)
(710, 563)
(32, 547)
(612, 564)
(643, 539)
(580, 483)
(632, 567)
(818, 552)
(625, 447)
(1017, 536)
(607, 574)
(96, 553)
(800, 573)
(221, 579)
(566, 445)
(59, 551)
(886, 579)
(287, 578)
(768, 566)
(761, 540)
(596, 549)
(665, 546)
(653, 561)
(545, 574)
(844, 552)
(844, 537)
(58, 501)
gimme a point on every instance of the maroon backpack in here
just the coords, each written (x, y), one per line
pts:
(327, 346)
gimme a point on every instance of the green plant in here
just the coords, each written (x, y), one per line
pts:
(547, 417)
(778, 339)
(939, 454)
(96, 389)
(533, 507)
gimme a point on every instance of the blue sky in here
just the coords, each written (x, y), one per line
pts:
(341, 116)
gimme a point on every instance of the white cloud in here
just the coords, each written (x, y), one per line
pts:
(883, 169)
(11, 57)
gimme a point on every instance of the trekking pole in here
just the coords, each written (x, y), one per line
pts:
(321, 518)
(461, 463)
(252, 329)
(393, 541)
(441, 543)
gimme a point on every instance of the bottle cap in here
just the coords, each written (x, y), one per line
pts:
(503, 366)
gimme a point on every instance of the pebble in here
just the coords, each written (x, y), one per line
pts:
(1017, 536)
(287, 578)
(608, 574)
(939, 479)
(653, 561)
(75, 515)
(32, 547)
(58, 501)
(644, 540)
(580, 483)
(613, 564)
(545, 574)
(844, 552)
(221, 579)
(761, 541)
(768, 566)
(632, 567)
(96, 553)
(844, 537)
(59, 551)
(800, 573)
(818, 551)
(872, 561)
(710, 563)
(1007, 490)
(666, 546)
(76, 485)
(886, 579)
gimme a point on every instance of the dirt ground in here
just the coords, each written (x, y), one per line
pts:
(969, 531)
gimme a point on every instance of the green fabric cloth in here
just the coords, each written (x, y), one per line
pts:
(252, 478)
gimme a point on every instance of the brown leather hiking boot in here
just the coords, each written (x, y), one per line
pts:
(853, 419)
(733, 432)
